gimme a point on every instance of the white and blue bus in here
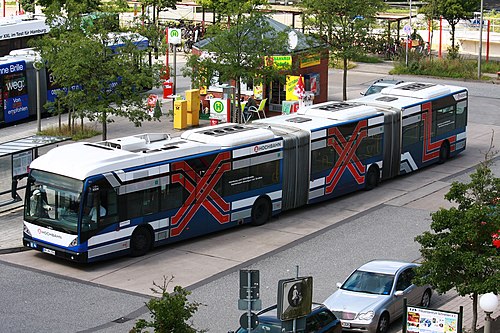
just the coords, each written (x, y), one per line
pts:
(91, 201)
(18, 81)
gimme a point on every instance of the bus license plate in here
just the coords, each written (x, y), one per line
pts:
(346, 325)
(49, 251)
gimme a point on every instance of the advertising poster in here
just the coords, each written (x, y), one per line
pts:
(421, 320)
(314, 83)
(291, 82)
(14, 91)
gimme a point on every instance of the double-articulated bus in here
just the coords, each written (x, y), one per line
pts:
(91, 201)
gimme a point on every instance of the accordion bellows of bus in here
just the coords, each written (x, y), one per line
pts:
(90, 201)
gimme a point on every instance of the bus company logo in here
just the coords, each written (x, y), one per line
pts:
(218, 106)
(48, 233)
(267, 146)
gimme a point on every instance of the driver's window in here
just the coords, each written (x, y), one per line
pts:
(100, 206)
(404, 279)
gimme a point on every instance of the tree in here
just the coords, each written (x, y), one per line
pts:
(237, 52)
(343, 25)
(169, 312)
(452, 11)
(152, 29)
(110, 81)
(458, 253)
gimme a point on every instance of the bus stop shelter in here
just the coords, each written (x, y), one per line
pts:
(15, 158)
(391, 18)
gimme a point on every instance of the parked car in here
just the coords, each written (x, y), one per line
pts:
(372, 296)
(380, 84)
(319, 320)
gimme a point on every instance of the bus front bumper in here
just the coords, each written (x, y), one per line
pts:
(54, 251)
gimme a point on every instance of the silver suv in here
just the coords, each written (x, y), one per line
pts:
(380, 84)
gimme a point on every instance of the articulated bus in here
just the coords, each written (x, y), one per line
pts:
(92, 201)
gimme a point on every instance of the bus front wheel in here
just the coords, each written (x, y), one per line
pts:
(261, 211)
(140, 243)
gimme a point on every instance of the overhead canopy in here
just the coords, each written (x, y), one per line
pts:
(29, 143)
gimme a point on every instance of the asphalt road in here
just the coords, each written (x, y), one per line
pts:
(326, 241)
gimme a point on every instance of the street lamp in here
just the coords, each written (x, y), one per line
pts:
(488, 302)
(38, 65)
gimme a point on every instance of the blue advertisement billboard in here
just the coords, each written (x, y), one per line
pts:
(14, 94)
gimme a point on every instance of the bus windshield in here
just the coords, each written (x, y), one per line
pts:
(54, 207)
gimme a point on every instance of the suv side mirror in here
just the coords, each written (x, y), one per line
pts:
(399, 293)
(338, 284)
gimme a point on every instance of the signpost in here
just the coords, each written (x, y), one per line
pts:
(407, 31)
(249, 298)
(174, 38)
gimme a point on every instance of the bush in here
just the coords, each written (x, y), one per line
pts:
(454, 68)
(169, 312)
(76, 133)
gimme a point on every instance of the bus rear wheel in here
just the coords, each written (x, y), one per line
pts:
(140, 243)
(444, 152)
(261, 211)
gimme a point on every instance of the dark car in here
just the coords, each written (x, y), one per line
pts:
(319, 320)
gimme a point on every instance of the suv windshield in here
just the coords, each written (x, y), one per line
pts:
(374, 90)
(50, 206)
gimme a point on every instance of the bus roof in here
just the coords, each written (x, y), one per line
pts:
(409, 93)
(322, 115)
(340, 111)
(82, 160)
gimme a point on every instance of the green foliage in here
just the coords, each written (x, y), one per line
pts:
(237, 53)
(454, 68)
(233, 8)
(169, 312)
(343, 24)
(369, 59)
(82, 56)
(452, 11)
(77, 133)
(445, 67)
(458, 252)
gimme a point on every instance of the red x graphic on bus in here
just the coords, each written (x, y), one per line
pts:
(347, 154)
(199, 190)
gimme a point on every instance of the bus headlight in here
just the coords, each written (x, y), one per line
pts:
(26, 230)
(74, 242)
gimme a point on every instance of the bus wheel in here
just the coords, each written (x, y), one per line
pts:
(261, 211)
(444, 152)
(140, 243)
(371, 178)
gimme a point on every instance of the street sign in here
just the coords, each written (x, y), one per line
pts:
(174, 36)
(252, 304)
(407, 29)
(294, 297)
(253, 284)
(254, 320)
